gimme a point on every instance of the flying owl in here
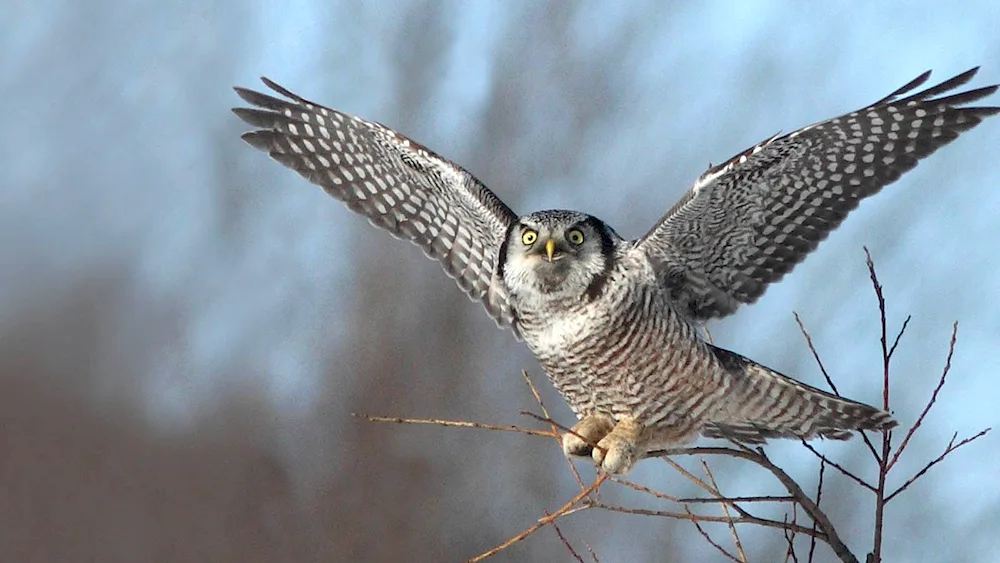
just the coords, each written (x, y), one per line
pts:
(615, 323)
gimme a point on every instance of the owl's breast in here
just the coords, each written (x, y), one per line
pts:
(599, 352)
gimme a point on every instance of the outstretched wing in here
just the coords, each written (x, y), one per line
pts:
(747, 222)
(396, 183)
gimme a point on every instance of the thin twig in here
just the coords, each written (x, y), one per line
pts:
(952, 446)
(708, 538)
(847, 473)
(456, 424)
(826, 375)
(563, 539)
(725, 510)
(652, 492)
(758, 457)
(593, 555)
(694, 479)
(730, 500)
(899, 335)
(883, 468)
(790, 537)
(819, 497)
(541, 522)
(931, 401)
(764, 522)
(535, 393)
(698, 500)
(545, 412)
(882, 318)
(719, 497)
(812, 348)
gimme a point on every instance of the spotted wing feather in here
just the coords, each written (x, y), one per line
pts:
(396, 183)
(748, 221)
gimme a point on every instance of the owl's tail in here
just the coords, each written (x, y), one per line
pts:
(763, 403)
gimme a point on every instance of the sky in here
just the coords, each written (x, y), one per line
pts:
(157, 266)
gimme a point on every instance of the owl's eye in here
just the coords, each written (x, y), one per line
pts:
(575, 236)
(529, 237)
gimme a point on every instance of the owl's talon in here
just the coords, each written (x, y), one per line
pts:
(584, 434)
(618, 452)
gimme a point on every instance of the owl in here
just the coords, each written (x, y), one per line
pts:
(616, 324)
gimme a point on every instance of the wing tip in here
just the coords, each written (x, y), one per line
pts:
(260, 139)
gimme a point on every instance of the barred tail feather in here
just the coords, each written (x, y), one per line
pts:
(763, 404)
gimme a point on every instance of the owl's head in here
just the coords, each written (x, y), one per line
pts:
(557, 255)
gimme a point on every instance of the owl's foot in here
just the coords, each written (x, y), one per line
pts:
(589, 431)
(617, 452)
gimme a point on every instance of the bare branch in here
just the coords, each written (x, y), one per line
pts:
(457, 424)
(952, 446)
(931, 401)
(790, 537)
(758, 457)
(899, 335)
(882, 460)
(563, 539)
(593, 555)
(751, 499)
(882, 318)
(819, 497)
(826, 375)
(694, 479)
(812, 348)
(844, 471)
(541, 522)
(725, 510)
(708, 538)
(553, 425)
(651, 492)
(706, 518)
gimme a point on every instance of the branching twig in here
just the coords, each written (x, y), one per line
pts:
(563, 539)
(707, 518)
(708, 538)
(844, 471)
(541, 522)
(883, 459)
(829, 533)
(931, 401)
(952, 446)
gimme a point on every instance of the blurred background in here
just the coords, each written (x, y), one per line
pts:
(186, 326)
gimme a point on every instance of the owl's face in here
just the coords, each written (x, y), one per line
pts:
(556, 255)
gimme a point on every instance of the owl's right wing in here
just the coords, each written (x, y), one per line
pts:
(748, 221)
(396, 183)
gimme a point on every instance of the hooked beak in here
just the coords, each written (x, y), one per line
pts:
(550, 248)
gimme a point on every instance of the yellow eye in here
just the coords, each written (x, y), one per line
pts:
(529, 237)
(575, 236)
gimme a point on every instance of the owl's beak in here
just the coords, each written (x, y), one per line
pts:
(550, 248)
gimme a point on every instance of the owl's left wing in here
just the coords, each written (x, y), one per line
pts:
(396, 183)
(748, 221)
